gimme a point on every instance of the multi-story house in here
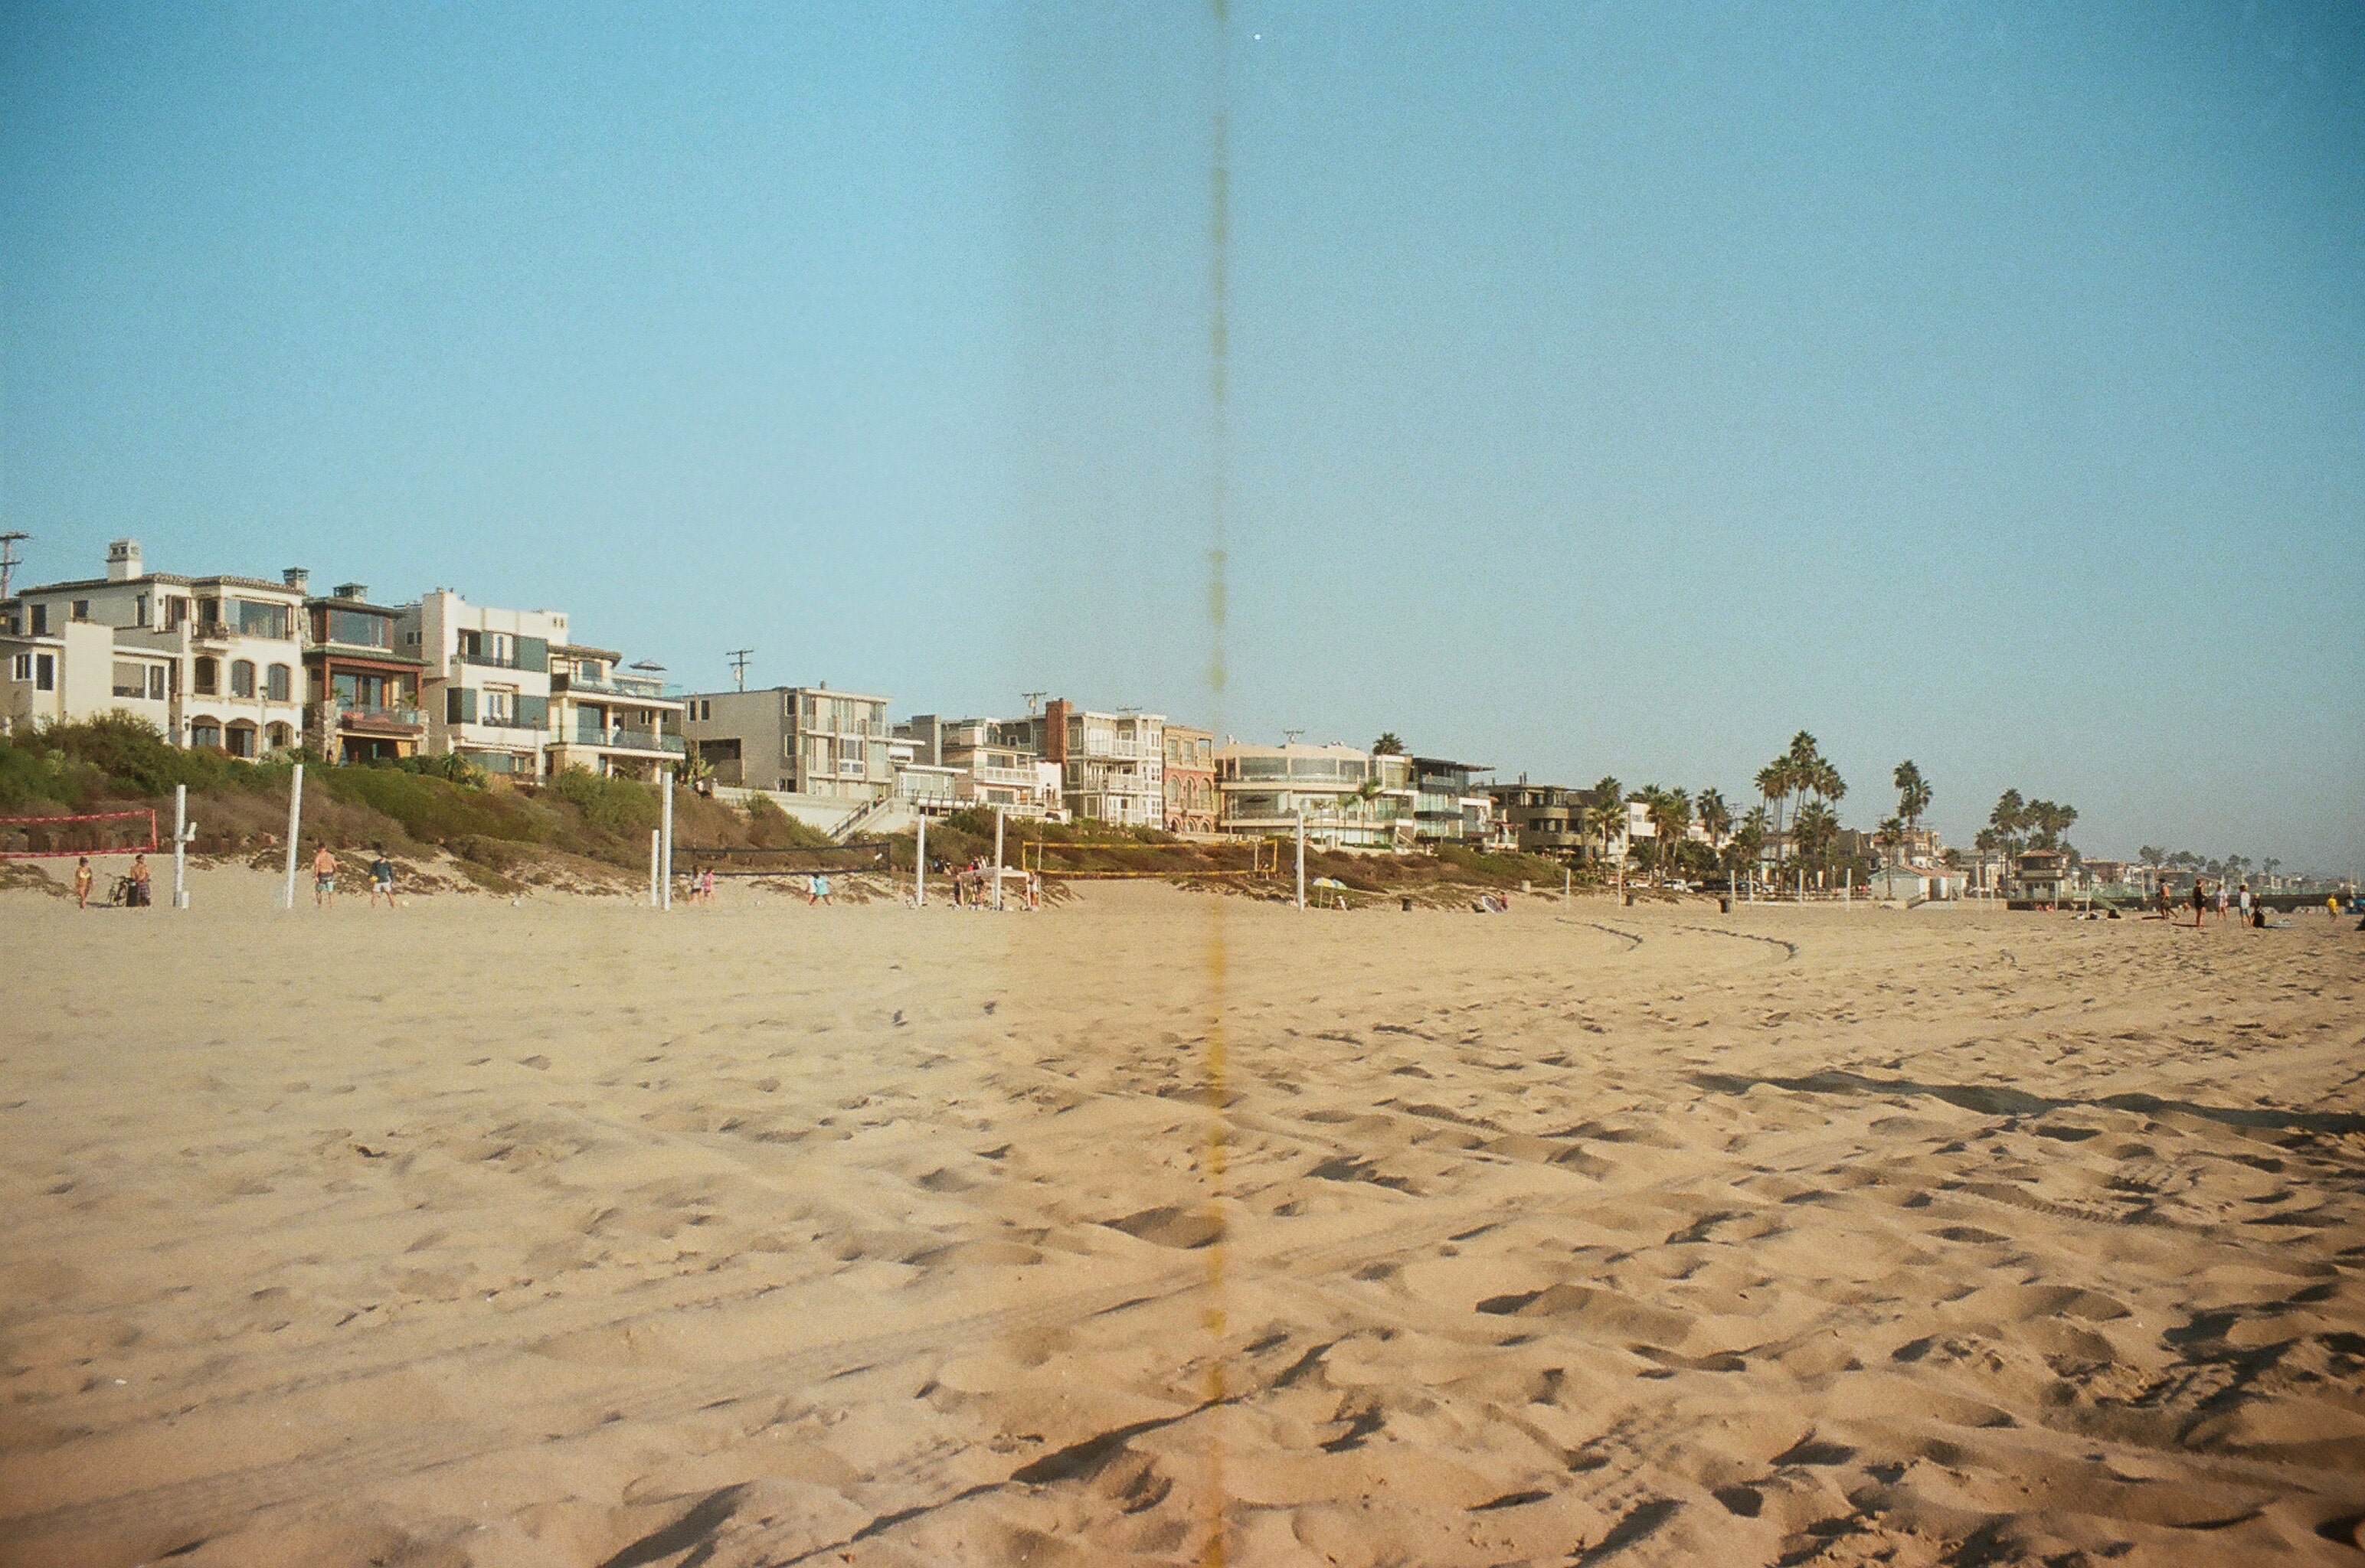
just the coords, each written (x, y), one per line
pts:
(485, 684)
(1447, 808)
(806, 740)
(1112, 765)
(1189, 780)
(1347, 798)
(1546, 819)
(361, 683)
(216, 659)
(611, 718)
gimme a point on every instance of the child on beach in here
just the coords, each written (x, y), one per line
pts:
(817, 889)
(381, 878)
(139, 881)
(82, 882)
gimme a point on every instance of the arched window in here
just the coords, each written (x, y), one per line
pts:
(208, 681)
(277, 681)
(204, 731)
(242, 677)
(239, 739)
(280, 736)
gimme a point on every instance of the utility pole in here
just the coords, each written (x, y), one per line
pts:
(738, 657)
(1301, 858)
(9, 560)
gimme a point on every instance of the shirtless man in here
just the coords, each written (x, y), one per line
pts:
(324, 879)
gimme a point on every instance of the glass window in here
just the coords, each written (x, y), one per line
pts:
(277, 682)
(131, 680)
(45, 672)
(155, 683)
(355, 629)
(82, 610)
(208, 677)
(204, 731)
(41, 619)
(1264, 767)
(257, 619)
(23, 668)
(242, 677)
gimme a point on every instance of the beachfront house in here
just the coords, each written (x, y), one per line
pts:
(1347, 798)
(485, 680)
(1112, 765)
(2040, 877)
(1546, 819)
(1448, 805)
(210, 661)
(611, 718)
(797, 740)
(361, 681)
(1189, 780)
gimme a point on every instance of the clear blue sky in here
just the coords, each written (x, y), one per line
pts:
(1614, 388)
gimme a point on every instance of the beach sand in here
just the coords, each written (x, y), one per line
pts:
(566, 1233)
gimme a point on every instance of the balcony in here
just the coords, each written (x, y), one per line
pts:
(619, 739)
(385, 720)
(491, 661)
(628, 688)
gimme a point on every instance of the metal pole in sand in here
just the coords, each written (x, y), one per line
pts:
(1564, 884)
(997, 856)
(180, 846)
(920, 867)
(665, 884)
(295, 816)
(654, 835)
(1301, 860)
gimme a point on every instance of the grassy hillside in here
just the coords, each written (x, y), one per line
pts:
(596, 828)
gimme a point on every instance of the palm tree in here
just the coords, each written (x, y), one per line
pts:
(1815, 828)
(1387, 745)
(1913, 794)
(1671, 814)
(1890, 835)
(1772, 781)
(2151, 855)
(1609, 796)
(1715, 816)
(1747, 839)
(2008, 818)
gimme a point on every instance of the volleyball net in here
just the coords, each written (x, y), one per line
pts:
(89, 833)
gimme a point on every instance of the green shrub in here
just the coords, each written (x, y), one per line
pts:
(436, 810)
(619, 806)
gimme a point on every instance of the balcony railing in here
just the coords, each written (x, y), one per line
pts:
(366, 713)
(491, 661)
(644, 690)
(619, 739)
(505, 721)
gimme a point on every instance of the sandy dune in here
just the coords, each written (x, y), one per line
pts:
(567, 1234)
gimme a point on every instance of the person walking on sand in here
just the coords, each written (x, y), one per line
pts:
(82, 882)
(2199, 902)
(818, 890)
(2246, 904)
(324, 879)
(706, 886)
(381, 878)
(2221, 903)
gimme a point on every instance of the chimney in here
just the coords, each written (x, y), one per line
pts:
(295, 578)
(352, 591)
(123, 561)
(1054, 730)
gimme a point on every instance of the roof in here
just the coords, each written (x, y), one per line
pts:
(173, 578)
(340, 602)
(1444, 762)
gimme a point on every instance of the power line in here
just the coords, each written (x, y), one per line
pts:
(738, 657)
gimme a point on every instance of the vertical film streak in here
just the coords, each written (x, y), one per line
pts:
(1219, 391)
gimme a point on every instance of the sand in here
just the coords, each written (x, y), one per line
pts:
(562, 1232)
